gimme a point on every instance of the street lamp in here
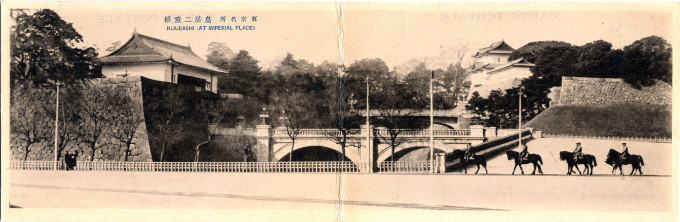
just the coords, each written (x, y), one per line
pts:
(56, 124)
(521, 88)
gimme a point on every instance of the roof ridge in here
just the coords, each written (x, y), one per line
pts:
(163, 41)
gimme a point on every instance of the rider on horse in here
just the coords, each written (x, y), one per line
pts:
(624, 154)
(525, 152)
(468, 153)
(578, 152)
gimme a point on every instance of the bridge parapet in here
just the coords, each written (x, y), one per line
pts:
(316, 133)
(383, 132)
(426, 133)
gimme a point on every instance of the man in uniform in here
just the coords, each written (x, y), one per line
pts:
(624, 154)
(525, 152)
(468, 153)
(578, 152)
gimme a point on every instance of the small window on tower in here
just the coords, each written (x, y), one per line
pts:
(208, 86)
(498, 60)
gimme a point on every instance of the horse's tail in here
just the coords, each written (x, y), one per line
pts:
(642, 162)
(540, 160)
(594, 161)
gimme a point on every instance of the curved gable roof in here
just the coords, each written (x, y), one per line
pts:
(141, 49)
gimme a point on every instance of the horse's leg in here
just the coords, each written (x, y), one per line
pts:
(534, 172)
(640, 170)
(632, 171)
(477, 169)
(569, 169)
(520, 168)
(513, 169)
(579, 170)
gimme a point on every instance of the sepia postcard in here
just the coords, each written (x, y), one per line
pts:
(338, 111)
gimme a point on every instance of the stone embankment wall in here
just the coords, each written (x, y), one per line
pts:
(35, 105)
(583, 90)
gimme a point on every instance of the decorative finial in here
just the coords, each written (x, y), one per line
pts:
(134, 32)
(188, 44)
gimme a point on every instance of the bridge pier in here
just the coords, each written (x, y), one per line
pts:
(263, 149)
(367, 151)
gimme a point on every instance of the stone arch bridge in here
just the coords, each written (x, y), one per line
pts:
(275, 144)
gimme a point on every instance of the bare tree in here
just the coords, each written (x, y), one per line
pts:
(69, 117)
(295, 114)
(343, 118)
(393, 112)
(94, 108)
(126, 118)
(245, 143)
(27, 116)
(167, 110)
(213, 116)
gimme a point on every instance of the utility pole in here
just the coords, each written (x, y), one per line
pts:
(368, 125)
(431, 125)
(56, 129)
(520, 116)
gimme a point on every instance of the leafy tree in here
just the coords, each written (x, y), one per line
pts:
(647, 59)
(219, 55)
(42, 49)
(597, 59)
(243, 77)
(532, 50)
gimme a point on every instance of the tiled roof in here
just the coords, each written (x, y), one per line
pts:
(501, 45)
(156, 50)
(517, 62)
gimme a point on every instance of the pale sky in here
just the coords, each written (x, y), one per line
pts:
(395, 36)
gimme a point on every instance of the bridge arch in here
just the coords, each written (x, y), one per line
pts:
(282, 151)
(402, 149)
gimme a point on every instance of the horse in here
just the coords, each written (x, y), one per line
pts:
(588, 161)
(613, 158)
(532, 158)
(476, 159)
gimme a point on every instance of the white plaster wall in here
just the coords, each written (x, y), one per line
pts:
(198, 73)
(159, 71)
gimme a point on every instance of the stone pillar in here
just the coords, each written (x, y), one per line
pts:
(366, 151)
(441, 163)
(263, 150)
(477, 131)
(492, 132)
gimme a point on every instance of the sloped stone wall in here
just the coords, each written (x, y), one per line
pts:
(583, 90)
(40, 103)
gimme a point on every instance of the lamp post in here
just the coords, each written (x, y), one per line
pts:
(520, 115)
(431, 125)
(368, 125)
(56, 127)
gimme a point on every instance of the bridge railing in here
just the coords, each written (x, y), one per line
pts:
(316, 132)
(302, 167)
(383, 132)
(402, 166)
(426, 133)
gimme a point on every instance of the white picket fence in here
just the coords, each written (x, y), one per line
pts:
(263, 167)
(402, 166)
(302, 167)
(627, 139)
